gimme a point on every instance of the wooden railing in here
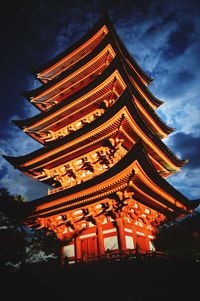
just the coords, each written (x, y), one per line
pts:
(124, 256)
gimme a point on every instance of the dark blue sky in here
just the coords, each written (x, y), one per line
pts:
(163, 37)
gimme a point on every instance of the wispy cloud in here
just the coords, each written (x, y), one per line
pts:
(166, 43)
(17, 144)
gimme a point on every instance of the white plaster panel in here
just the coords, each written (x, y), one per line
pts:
(129, 242)
(109, 231)
(88, 235)
(111, 243)
(128, 230)
(69, 251)
(139, 233)
(151, 246)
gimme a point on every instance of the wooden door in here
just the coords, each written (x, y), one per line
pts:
(89, 248)
(142, 243)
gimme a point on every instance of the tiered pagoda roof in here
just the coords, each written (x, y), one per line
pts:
(135, 172)
(83, 47)
(99, 132)
(115, 76)
(83, 73)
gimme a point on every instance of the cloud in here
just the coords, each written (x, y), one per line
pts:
(16, 144)
(19, 184)
(188, 146)
(167, 46)
(164, 38)
(187, 181)
(180, 39)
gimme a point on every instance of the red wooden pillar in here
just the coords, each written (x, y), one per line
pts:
(100, 239)
(134, 235)
(78, 249)
(121, 234)
(62, 257)
(147, 246)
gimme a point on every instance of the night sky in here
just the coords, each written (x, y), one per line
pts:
(163, 37)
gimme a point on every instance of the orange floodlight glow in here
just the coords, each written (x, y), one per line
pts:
(107, 176)
(60, 63)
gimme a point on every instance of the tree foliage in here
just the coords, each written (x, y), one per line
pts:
(21, 246)
(181, 239)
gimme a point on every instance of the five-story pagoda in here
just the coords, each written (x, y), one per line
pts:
(102, 150)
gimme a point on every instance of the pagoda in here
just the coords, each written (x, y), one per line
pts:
(102, 152)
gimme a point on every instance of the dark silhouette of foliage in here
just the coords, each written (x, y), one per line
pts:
(21, 246)
(181, 238)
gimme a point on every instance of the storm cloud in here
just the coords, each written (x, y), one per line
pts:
(163, 37)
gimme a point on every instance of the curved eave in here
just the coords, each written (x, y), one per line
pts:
(80, 192)
(11, 160)
(157, 102)
(124, 100)
(167, 129)
(99, 24)
(115, 64)
(35, 92)
(132, 60)
(21, 123)
(195, 203)
(104, 43)
(123, 48)
(125, 69)
(158, 179)
(104, 20)
(145, 89)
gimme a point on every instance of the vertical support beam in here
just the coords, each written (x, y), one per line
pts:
(62, 256)
(78, 248)
(146, 240)
(134, 235)
(121, 234)
(100, 239)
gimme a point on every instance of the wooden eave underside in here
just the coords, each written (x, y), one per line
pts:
(103, 21)
(115, 65)
(74, 79)
(91, 135)
(78, 108)
(134, 172)
(69, 100)
(107, 41)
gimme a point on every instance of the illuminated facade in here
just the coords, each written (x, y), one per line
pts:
(102, 151)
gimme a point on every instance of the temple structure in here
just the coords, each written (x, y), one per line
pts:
(102, 151)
